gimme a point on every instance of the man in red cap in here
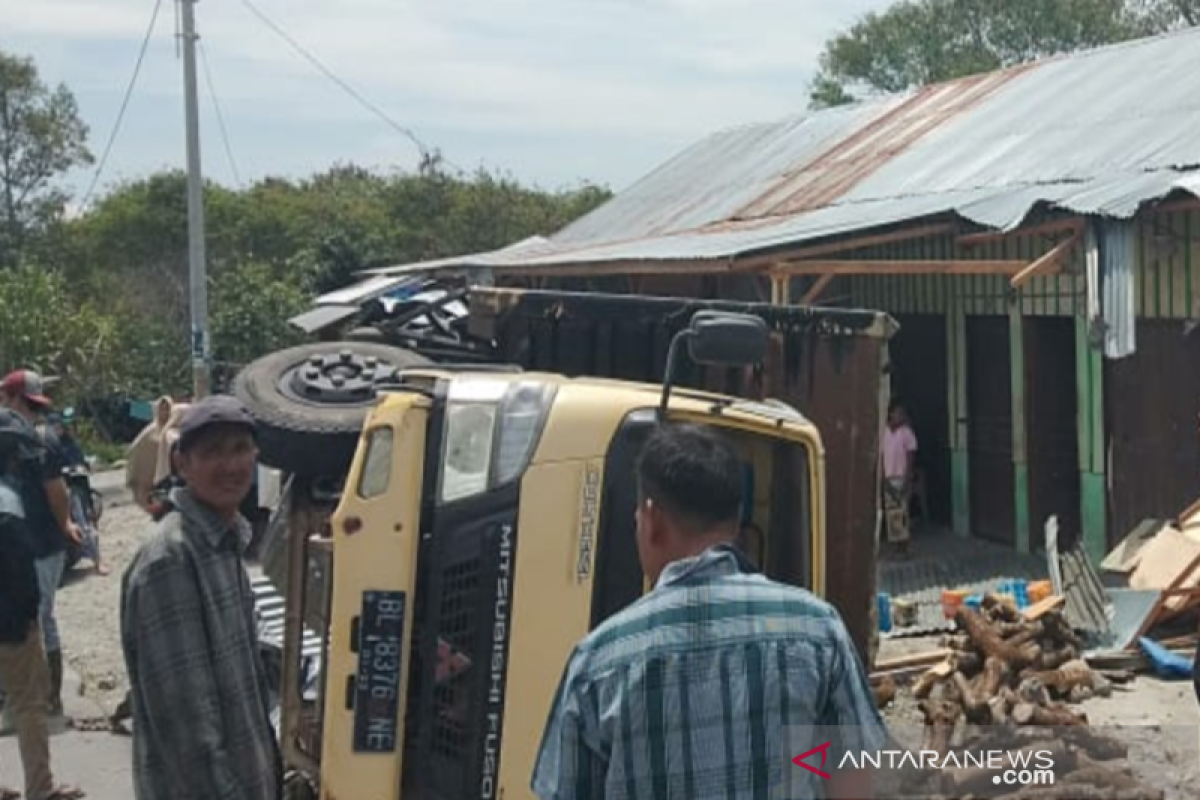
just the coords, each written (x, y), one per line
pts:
(48, 512)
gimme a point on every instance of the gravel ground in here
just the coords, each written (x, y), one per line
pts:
(88, 607)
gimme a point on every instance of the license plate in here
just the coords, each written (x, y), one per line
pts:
(377, 684)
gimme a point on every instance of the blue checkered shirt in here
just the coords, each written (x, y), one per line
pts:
(690, 692)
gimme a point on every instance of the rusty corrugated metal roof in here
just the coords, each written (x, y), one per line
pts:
(1099, 132)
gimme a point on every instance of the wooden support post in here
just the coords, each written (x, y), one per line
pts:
(813, 293)
(956, 353)
(780, 284)
(1093, 454)
(1020, 456)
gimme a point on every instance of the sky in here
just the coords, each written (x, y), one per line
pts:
(551, 92)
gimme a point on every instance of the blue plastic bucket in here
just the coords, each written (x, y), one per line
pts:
(885, 612)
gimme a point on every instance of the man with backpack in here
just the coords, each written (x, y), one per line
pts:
(22, 656)
(47, 512)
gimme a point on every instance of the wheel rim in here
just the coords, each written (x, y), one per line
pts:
(342, 378)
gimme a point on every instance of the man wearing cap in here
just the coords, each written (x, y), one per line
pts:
(22, 654)
(47, 510)
(200, 696)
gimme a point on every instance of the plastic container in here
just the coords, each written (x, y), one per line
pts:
(885, 612)
(1016, 593)
(952, 599)
(1040, 590)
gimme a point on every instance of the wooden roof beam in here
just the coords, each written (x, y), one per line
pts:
(855, 243)
(1049, 262)
(597, 269)
(1073, 225)
(909, 267)
(817, 289)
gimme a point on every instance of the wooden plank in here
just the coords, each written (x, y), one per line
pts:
(820, 286)
(872, 240)
(1049, 262)
(1072, 225)
(1044, 606)
(916, 660)
(903, 267)
(689, 266)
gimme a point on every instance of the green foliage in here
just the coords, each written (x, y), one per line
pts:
(250, 308)
(42, 326)
(918, 42)
(41, 137)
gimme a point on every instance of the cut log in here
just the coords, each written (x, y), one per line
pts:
(1057, 715)
(1054, 657)
(1057, 628)
(1032, 690)
(1074, 675)
(930, 678)
(984, 703)
(985, 638)
(940, 719)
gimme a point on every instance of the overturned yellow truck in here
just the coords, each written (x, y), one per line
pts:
(452, 526)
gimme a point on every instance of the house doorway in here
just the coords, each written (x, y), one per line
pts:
(1052, 440)
(989, 429)
(920, 381)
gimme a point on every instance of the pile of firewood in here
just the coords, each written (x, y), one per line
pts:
(1009, 673)
(1006, 668)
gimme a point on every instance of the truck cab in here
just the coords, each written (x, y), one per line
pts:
(486, 525)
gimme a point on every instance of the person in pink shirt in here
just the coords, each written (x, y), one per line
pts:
(898, 454)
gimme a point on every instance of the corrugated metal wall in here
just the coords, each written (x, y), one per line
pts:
(1168, 280)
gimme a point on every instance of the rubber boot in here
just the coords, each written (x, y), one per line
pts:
(55, 659)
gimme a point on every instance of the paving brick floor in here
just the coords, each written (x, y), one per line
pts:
(941, 560)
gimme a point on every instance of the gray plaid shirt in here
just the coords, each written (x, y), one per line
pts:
(692, 692)
(201, 703)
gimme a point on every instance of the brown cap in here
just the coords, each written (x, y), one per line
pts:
(217, 409)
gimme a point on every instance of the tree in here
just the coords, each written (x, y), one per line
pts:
(1166, 15)
(918, 42)
(41, 137)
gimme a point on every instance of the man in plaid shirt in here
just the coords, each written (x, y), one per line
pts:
(201, 708)
(690, 692)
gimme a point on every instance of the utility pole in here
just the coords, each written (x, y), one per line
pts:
(197, 267)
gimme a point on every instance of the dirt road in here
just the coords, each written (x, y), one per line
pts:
(89, 608)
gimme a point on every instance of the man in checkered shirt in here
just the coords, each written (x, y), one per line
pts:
(691, 691)
(200, 694)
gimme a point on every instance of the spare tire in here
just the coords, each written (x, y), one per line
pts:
(310, 401)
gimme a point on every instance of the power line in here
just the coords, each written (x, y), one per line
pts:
(137, 68)
(403, 131)
(212, 93)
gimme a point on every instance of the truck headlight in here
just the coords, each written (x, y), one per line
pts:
(492, 428)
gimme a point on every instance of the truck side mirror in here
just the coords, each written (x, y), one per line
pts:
(727, 339)
(718, 338)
